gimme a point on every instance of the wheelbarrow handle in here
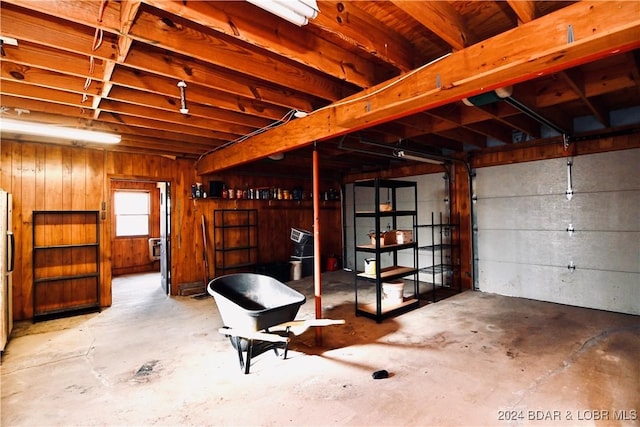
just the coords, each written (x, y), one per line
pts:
(253, 335)
(300, 326)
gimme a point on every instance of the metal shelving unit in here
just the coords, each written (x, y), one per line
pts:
(373, 306)
(444, 249)
(236, 240)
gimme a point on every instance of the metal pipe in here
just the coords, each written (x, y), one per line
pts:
(317, 277)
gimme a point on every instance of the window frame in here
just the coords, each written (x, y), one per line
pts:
(116, 215)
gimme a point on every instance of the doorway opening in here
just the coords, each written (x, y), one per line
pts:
(140, 234)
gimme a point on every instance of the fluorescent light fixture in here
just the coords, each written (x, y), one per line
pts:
(8, 41)
(402, 155)
(52, 131)
(297, 12)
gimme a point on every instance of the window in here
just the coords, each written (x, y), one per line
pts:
(132, 213)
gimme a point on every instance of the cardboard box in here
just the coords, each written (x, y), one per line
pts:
(386, 238)
(404, 236)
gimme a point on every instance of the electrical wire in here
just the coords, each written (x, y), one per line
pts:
(285, 119)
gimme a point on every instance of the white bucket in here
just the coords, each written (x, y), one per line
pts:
(392, 292)
(296, 270)
(370, 266)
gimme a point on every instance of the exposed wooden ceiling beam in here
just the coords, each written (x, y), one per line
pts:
(128, 12)
(616, 75)
(457, 132)
(576, 81)
(439, 17)
(48, 58)
(525, 10)
(496, 131)
(163, 33)
(30, 27)
(516, 56)
(250, 24)
(46, 78)
(216, 50)
(29, 91)
(196, 95)
(174, 117)
(49, 80)
(465, 136)
(513, 119)
(179, 67)
(346, 23)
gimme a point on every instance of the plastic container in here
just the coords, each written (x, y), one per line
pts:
(296, 270)
(370, 266)
(393, 292)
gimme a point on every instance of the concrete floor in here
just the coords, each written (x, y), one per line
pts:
(472, 359)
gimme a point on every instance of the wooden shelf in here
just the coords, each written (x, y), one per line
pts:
(385, 248)
(65, 245)
(390, 273)
(81, 245)
(66, 277)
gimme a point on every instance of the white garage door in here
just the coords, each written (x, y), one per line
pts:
(523, 246)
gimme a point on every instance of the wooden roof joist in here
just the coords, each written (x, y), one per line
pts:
(569, 37)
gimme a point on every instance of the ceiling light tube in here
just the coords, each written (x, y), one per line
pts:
(40, 129)
(307, 8)
(401, 154)
(285, 10)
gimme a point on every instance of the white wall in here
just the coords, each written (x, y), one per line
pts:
(524, 249)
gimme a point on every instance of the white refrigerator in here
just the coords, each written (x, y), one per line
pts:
(7, 260)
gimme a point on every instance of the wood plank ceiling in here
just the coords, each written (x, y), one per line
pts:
(116, 65)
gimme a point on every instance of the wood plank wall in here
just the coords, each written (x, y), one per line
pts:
(276, 217)
(56, 177)
(51, 177)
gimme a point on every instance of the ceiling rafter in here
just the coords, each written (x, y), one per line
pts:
(349, 25)
(257, 27)
(179, 67)
(128, 12)
(576, 82)
(457, 132)
(525, 10)
(257, 111)
(441, 18)
(504, 59)
(219, 49)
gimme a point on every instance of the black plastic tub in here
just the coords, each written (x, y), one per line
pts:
(253, 302)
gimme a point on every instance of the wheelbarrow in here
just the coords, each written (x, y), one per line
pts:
(258, 314)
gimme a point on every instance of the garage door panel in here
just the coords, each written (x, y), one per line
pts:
(522, 215)
(613, 171)
(517, 180)
(615, 291)
(607, 211)
(522, 247)
(515, 213)
(590, 250)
